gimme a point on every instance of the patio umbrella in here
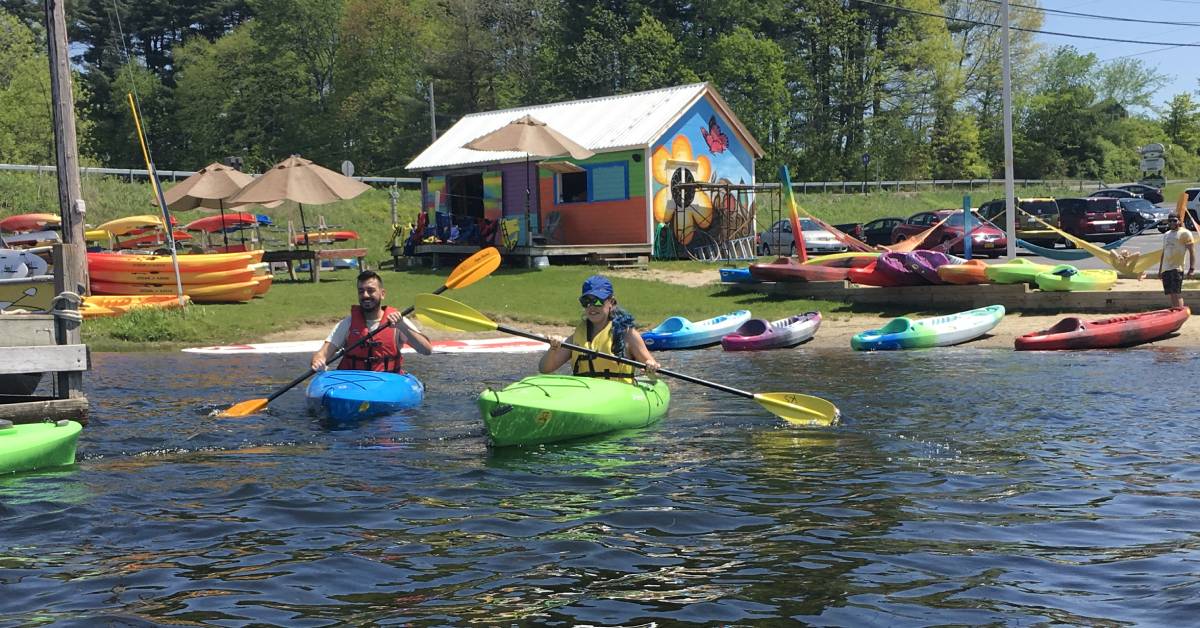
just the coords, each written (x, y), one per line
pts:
(208, 188)
(533, 137)
(299, 180)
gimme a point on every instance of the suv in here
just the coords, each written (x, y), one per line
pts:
(1093, 219)
(1028, 229)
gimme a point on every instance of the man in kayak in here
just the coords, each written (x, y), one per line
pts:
(1178, 244)
(381, 352)
(606, 328)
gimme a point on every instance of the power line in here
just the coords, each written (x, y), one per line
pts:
(1028, 30)
(1093, 15)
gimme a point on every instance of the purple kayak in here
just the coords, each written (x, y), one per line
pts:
(759, 333)
(896, 267)
(926, 263)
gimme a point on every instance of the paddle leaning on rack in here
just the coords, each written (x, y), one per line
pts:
(792, 407)
(472, 269)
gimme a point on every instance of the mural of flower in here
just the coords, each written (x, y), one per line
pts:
(686, 210)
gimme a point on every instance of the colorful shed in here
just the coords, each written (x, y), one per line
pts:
(618, 200)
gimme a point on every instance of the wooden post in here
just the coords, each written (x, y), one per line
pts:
(70, 268)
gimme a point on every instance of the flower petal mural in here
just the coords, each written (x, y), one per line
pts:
(685, 210)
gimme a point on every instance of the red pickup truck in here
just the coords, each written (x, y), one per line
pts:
(985, 239)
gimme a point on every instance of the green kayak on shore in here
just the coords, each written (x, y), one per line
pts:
(1067, 278)
(550, 408)
(37, 445)
(1017, 271)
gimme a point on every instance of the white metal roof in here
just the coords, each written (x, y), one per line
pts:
(599, 124)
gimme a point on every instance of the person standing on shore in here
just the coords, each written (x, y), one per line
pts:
(1178, 244)
(382, 352)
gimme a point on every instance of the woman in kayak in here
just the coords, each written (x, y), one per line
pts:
(605, 328)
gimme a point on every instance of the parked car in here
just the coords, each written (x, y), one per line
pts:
(985, 238)
(1140, 214)
(1092, 218)
(879, 231)
(777, 240)
(1028, 229)
(1148, 192)
(1113, 193)
(852, 229)
(1193, 204)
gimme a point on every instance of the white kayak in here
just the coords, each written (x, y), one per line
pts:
(939, 331)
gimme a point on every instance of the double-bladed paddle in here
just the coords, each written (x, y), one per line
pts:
(792, 407)
(472, 269)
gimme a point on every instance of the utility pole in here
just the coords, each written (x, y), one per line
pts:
(1010, 201)
(70, 268)
(432, 118)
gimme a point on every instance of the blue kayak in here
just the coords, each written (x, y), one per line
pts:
(737, 275)
(678, 332)
(353, 395)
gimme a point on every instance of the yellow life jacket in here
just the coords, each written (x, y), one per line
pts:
(588, 365)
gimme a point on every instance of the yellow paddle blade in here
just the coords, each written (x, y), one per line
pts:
(479, 265)
(245, 408)
(452, 314)
(800, 409)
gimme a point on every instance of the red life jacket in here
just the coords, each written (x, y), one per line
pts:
(380, 353)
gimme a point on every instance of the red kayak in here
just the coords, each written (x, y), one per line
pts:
(871, 276)
(212, 224)
(788, 269)
(1120, 331)
(29, 222)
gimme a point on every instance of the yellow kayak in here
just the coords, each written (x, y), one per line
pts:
(162, 263)
(215, 293)
(128, 224)
(102, 306)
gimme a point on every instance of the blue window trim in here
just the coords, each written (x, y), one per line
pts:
(591, 193)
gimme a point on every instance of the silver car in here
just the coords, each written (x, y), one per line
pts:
(778, 240)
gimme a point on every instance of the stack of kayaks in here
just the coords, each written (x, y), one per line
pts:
(232, 222)
(678, 332)
(212, 278)
(37, 445)
(100, 306)
(135, 232)
(1016, 271)
(940, 331)
(348, 395)
(758, 333)
(1064, 278)
(552, 408)
(1119, 331)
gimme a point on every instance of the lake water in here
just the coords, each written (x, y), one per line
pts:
(964, 486)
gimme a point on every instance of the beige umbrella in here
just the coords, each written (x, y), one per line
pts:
(533, 137)
(299, 180)
(207, 188)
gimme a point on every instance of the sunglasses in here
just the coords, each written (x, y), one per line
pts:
(588, 300)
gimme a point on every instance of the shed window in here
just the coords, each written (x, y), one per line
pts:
(608, 182)
(572, 187)
(466, 195)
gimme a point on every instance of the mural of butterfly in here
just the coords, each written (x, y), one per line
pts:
(716, 139)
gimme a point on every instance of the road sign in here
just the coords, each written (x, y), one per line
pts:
(347, 168)
(866, 158)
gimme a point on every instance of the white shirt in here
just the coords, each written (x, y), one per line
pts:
(337, 337)
(1175, 247)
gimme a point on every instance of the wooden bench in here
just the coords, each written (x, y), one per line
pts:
(314, 257)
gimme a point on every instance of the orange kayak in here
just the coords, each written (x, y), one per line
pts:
(102, 306)
(200, 278)
(969, 273)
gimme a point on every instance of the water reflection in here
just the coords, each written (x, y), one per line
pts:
(964, 486)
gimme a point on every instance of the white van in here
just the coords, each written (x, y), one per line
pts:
(1193, 199)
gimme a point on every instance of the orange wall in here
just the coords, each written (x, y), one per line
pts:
(602, 222)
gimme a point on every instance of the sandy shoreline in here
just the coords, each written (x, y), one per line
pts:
(835, 332)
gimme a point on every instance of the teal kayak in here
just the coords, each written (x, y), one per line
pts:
(550, 408)
(940, 331)
(37, 445)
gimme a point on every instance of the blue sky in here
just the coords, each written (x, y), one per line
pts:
(1182, 64)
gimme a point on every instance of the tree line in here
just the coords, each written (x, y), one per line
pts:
(820, 83)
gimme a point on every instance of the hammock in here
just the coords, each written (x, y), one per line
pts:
(1067, 254)
(1125, 262)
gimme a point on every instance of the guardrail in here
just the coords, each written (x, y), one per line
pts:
(175, 175)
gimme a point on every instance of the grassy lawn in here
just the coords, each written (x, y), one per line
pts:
(519, 296)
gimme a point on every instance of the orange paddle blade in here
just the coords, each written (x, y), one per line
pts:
(479, 265)
(245, 408)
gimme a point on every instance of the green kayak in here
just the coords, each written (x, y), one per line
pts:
(37, 445)
(1016, 271)
(1067, 278)
(551, 408)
